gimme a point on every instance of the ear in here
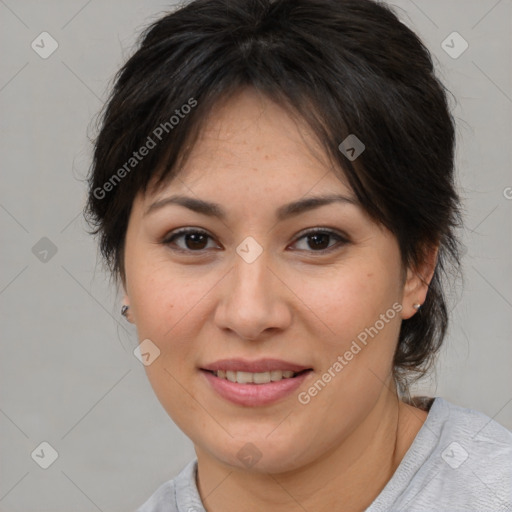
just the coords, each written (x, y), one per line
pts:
(417, 281)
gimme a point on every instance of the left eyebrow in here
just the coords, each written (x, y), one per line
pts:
(282, 213)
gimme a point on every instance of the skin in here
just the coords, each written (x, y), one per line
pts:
(293, 303)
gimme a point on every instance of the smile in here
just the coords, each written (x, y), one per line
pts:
(255, 378)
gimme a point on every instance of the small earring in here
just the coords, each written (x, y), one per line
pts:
(416, 306)
(124, 309)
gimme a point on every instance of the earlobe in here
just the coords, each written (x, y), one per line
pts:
(125, 309)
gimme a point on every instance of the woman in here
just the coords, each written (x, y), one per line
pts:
(273, 186)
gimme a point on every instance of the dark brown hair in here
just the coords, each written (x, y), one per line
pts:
(342, 66)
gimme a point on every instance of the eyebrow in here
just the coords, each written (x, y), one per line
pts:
(284, 212)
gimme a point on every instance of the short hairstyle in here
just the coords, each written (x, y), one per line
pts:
(342, 67)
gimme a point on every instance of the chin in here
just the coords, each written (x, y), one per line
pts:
(259, 455)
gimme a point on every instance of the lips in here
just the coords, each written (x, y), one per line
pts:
(255, 383)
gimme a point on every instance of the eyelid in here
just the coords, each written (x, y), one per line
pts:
(322, 229)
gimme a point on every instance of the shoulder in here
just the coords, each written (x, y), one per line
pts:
(469, 466)
(162, 500)
(176, 495)
(472, 432)
(460, 461)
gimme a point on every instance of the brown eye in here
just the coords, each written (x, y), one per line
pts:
(193, 240)
(319, 240)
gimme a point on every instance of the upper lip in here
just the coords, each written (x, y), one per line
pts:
(258, 366)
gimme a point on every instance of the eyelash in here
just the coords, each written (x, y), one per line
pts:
(342, 240)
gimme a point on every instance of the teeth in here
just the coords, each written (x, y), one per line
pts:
(254, 378)
(261, 378)
(244, 377)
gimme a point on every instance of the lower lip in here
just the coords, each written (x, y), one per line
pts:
(254, 395)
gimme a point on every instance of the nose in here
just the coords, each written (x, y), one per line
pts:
(253, 300)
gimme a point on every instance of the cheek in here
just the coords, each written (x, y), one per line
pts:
(166, 302)
(360, 305)
(166, 299)
(352, 297)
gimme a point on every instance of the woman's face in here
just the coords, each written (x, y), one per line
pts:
(252, 286)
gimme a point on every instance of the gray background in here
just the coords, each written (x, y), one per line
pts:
(68, 374)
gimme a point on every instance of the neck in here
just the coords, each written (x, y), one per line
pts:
(352, 474)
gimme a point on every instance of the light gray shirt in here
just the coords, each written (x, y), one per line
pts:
(460, 461)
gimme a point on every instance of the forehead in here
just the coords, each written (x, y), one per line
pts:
(249, 142)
